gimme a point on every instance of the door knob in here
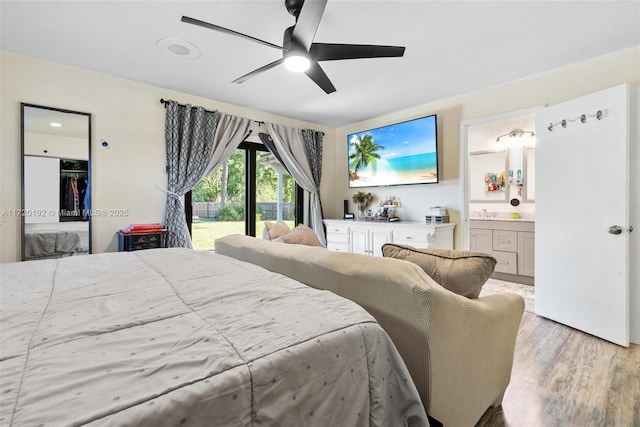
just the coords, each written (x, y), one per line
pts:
(616, 229)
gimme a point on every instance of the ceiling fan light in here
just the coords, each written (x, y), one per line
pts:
(297, 63)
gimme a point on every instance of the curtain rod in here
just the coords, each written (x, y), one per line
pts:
(165, 102)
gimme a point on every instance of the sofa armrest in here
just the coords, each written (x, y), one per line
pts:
(472, 344)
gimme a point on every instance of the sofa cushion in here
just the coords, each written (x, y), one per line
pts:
(273, 230)
(301, 235)
(462, 272)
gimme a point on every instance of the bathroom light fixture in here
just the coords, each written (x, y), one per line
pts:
(297, 62)
(516, 133)
(55, 125)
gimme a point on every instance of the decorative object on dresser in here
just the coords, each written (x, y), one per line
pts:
(368, 237)
(347, 214)
(363, 200)
(142, 236)
(437, 215)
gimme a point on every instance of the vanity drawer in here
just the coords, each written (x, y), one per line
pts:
(506, 241)
(507, 262)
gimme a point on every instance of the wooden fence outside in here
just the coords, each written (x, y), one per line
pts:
(269, 210)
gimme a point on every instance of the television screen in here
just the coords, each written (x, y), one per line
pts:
(398, 154)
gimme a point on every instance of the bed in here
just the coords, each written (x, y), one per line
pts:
(56, 240)
(169, 337)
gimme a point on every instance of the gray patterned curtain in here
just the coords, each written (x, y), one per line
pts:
(290, 147)
(198, 141)
(190, 140)
(313, 148)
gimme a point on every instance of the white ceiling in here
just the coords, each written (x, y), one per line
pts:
(452, 47)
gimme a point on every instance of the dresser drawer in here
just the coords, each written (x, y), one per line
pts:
(338, 247)
(507, 262)
(506, 241)
(338, 233)
(411, 237)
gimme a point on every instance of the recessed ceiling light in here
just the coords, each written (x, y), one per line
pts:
(181, 48)
(55, 125)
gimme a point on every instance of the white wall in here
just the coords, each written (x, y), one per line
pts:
(126, 114)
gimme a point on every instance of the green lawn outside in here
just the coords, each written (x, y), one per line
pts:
(205, 232)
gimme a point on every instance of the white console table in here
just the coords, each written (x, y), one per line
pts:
(367, 237)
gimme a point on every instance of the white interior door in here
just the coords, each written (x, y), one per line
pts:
(582, 189)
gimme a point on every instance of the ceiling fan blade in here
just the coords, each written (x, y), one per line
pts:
(308, 21)
(258, 71)
(317, 74)
(214, 27)
(333, 52)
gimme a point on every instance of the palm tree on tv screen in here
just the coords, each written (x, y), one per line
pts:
(366, 153)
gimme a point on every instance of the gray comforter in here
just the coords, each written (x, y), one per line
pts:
(172, 337)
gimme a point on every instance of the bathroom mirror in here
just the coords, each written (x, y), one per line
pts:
(529, 173)
(56, 182)
(485, 169)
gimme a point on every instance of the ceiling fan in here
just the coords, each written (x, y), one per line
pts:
(299, 51)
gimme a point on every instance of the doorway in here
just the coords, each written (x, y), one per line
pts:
(492, 145)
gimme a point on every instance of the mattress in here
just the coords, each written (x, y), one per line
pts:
(168, 337)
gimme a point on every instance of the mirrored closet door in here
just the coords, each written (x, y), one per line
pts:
(56, 182)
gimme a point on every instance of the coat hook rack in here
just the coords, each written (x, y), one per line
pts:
(583, 118)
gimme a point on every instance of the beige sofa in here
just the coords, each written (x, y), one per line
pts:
(459, 351)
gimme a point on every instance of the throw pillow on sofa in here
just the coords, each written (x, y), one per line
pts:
(462, 272)
(301, 235)
(273, 230)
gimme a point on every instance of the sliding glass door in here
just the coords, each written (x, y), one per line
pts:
(248, 189)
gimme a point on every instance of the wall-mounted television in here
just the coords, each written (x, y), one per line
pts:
(399, 154)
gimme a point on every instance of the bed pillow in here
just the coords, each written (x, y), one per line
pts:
(301, 235)
(273, 230)
(462, 272)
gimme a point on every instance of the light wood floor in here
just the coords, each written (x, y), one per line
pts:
(564, 377)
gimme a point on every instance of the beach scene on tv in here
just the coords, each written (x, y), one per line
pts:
(403, 153)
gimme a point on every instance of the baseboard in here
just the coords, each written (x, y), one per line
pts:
(515, 278)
